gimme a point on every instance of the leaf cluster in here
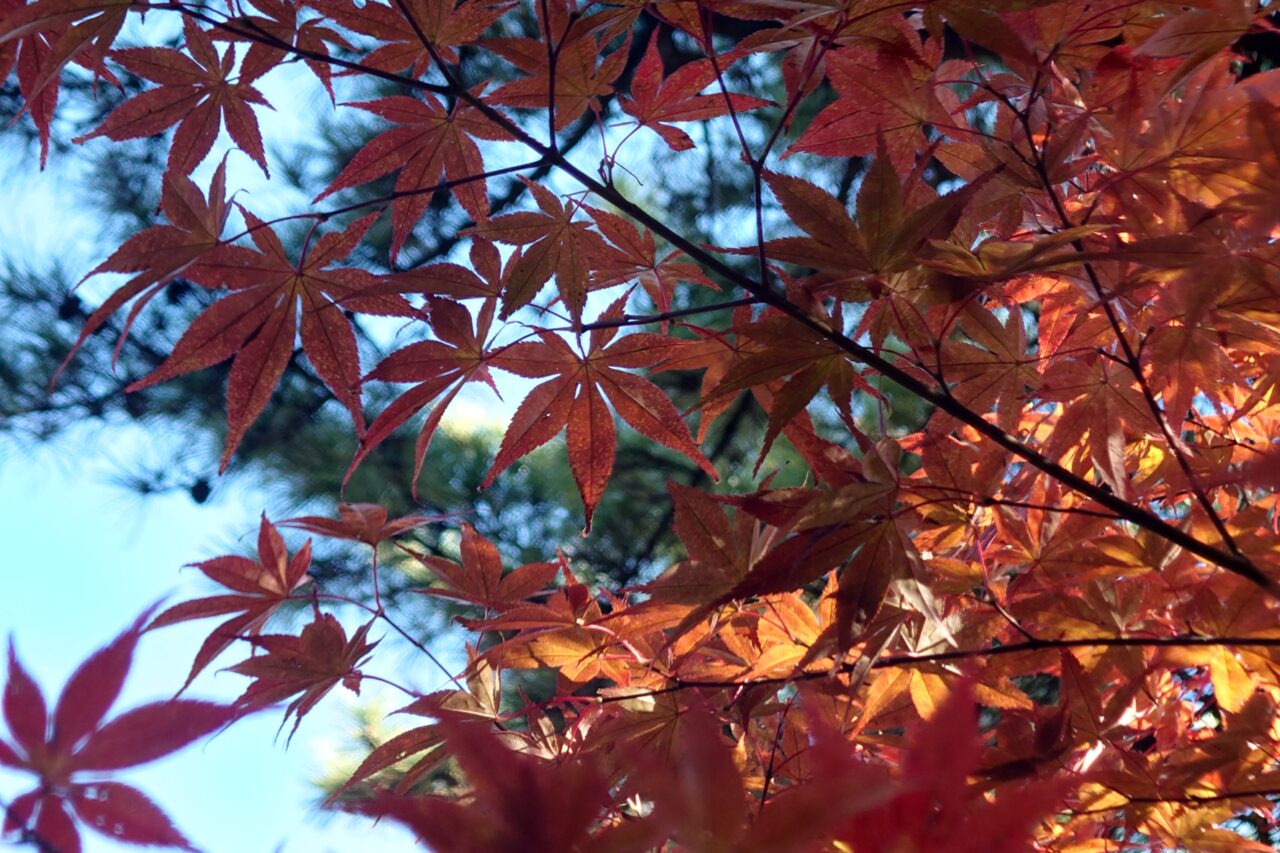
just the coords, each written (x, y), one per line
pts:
(1034, 608)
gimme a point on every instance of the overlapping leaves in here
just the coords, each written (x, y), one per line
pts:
(72, 746)
(1088, 315)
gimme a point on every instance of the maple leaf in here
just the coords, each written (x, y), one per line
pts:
(161, 253)
(1261, 471)
(836, 786)
(445, 25)
(479, 579)
(718, 354)
(1190, 364)
(990, 371)
(196, 94)
(257, 322)
(399, 748)
(479, 696)
(43, 37)
(552, 243)
(883, 93)
(481, 699)
(258, 589)
(1196, 35)
(279, 19)
(1227, 610)
(720, 551)
(713, 353)
(428, 143)
(1057, 546)
(485, 279)
(1101, 407)
(861, 259)
(312, 663)
(658, 99)
(793, 373)
(582, 76)
(440, 367)
(566, 632)
(834, 243)
(359, 522)
(38, 82)
(941, 755)
(852, 527)
(516, 801)
(632, 255)
(576, 398)
(89, 25)
(60, 747)
(828, 527)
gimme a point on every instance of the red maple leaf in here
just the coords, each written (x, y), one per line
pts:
(516, 801)
(279, 19)
(161, 253)
(311, 663)
(257, 322)
(565, 631)
(582, 77)
(440, 367)
(886, 93)
(43, 37)
(429, 142)
(658, 99)
(367, 523)
(485, 279)
(479, 579)
(576, 397)
(258, 589)
(63, 747)
(400, 39)
(32, 55)
(937, 807)
(632, 255)
(552, 243)
(196, 93)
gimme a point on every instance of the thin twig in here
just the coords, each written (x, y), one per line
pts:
(675, 314)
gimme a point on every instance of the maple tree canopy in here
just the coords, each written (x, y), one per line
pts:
(1045, 616)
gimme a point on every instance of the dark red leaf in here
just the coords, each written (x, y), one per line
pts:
(24, 708)
(266, 585)
(93, 688)
(151, 731)
(125, 814)
(54, 826)
(311, 664)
